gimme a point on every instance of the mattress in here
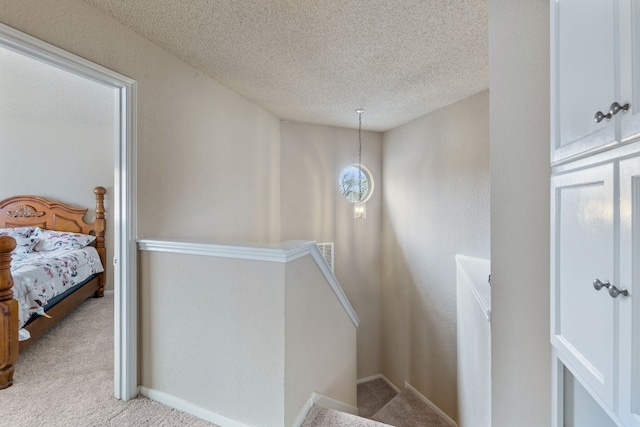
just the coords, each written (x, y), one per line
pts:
(39, 277)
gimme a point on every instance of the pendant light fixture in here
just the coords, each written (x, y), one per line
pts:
(360, 207)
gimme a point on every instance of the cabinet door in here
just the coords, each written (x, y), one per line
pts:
(583, 75)
(583, 327)
(629, 306)
(630, 69)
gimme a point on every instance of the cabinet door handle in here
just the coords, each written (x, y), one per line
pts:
(597, 284)
(600, 116)
(613, 291)
(616, 108)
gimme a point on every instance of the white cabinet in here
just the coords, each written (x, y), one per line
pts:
(595, 203)
(629, 308)
(595, 262)
(583, 240)
(594, 64)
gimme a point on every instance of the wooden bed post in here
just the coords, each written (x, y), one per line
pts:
(8, 315)
(99, 226)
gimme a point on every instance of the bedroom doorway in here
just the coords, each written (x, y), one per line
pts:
(122, 198)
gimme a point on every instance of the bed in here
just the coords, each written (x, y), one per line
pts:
(46, 218)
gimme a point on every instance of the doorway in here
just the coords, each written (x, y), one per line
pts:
(123, 198)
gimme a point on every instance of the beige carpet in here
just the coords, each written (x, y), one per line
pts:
(66, 379)
(321, 417)
(372, 396)
(407, 410)
(378, 405)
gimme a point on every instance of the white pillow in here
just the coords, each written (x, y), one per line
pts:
(25, 245)
(52, 240)
(17, 233)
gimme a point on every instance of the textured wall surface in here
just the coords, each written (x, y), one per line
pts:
(313, 209)
(436, 204)
(207, 158)
(320, 334)
(520, 349)
(220, 346)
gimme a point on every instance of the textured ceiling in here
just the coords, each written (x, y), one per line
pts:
(317, 61)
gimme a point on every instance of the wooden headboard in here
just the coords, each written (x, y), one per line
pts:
(34, 211)
(29, 211)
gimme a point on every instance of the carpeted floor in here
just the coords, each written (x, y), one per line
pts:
(379, 405)
(321, 417)
(372, 396)
(407, 410)
(65, 379)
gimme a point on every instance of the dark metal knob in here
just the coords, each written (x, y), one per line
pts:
(597, 284)
(600, 116)
(616, 108)
(614, 292)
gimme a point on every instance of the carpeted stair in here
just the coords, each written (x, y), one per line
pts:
(323, 417)
(379, 406)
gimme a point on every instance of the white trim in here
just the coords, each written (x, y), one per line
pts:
(329, 403)
(303, 412)
(285, 252)
(557, 390)
(461, 264)
(282, 253)
(189, 408)
(430, 404)
(325, 402)
(124, 197)
(376, 377)
(335, 286)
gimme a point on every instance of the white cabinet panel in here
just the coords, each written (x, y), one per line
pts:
(583, 249)
(630, 68)
(584, 42)
(629, 307)
(595, 62)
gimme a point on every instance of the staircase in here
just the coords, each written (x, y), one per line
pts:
(379, 406)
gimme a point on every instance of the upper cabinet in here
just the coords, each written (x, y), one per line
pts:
(595, 77)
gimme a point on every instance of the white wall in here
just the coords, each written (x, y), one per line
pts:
(521, 354)
(208, 159)
(474, 342)
(247, 340)
(56, 137)
(320, 340)
(217, 339)
(436, 204)
(313, 209)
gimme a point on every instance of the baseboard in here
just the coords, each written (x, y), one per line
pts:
(325, 402)
(189, 408)
(329, 403)
(111, 292)
(376, 377)
(431, 405)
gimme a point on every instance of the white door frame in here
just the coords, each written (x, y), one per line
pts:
(124, 197)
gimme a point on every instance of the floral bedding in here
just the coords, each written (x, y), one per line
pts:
(46, 263)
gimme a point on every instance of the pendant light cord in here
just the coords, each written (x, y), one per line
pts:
(360, 155)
